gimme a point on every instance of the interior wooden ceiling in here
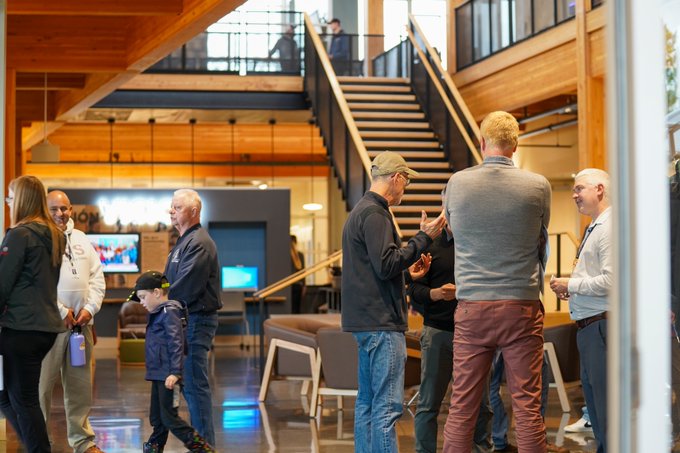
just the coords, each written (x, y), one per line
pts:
(89, 48)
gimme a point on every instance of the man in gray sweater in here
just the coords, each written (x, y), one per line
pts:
(496, 212)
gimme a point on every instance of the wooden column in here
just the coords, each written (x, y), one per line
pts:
(451, 6)
(10, 125)
(374, 26)
(590, 90)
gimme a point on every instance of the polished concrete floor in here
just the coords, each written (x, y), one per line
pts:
(244, 426)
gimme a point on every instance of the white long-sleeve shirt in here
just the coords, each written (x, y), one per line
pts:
(81, 279)
(591, 279)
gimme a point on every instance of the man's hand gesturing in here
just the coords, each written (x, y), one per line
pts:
(433, 227)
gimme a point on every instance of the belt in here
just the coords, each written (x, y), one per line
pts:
(585, 322)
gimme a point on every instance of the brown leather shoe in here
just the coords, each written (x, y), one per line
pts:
(94, 449)
(556, 449)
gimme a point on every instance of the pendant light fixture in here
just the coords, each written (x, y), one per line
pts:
(152, 122)
(232, 123)
(111, 120)
(45, 151)
(192, 123)
(272, 122)
(312, 205)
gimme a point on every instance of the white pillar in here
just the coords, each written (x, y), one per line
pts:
(639, 335)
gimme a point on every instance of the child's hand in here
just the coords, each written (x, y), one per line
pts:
(170, 381)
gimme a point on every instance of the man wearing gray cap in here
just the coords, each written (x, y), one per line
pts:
(374, 303)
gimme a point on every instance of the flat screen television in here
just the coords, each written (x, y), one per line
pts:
(239, 278)
(118, 252)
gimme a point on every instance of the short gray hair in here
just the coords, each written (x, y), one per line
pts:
(191, 196)
(595, 176)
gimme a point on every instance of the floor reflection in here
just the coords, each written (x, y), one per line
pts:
(282, 424)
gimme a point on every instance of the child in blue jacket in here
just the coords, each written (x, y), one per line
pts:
(164, 347)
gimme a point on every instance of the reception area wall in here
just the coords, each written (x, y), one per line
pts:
(234, 211)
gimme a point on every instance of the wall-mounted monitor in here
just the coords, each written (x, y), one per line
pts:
(118, 252)
(239, 278)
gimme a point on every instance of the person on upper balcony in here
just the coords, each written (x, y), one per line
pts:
(339, 50)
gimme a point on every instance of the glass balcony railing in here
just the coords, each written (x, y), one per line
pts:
(485, 27)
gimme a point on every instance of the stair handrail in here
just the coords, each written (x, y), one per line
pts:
(337, 92)
(297, 276)
(569, 234)
(447, 102)
(350, 124)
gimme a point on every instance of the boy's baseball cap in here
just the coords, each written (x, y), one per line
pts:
(148, 280)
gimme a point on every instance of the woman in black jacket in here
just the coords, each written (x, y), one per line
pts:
(30, 260)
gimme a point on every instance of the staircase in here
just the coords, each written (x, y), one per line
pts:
(389, 118)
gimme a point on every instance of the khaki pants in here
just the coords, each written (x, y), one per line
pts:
(516, 328)
(77, 384)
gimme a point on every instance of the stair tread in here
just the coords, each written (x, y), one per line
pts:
(375, 88)
(415, 185)
(396, 134)
(369, 80)
(422, 197)
(415, 208)
(388, 115)
(428, 144)
(383, 106)
(429, 165)
(380, 97)
(412, 154)
(393, 124)
(443, 176)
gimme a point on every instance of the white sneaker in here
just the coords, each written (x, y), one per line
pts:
(581, 426)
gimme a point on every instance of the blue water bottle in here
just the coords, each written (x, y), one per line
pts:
(77, 347)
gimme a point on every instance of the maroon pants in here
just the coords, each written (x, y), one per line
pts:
(516, 328)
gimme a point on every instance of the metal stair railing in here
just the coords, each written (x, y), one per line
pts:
(444, 106)
(341, 136)
(283, 284)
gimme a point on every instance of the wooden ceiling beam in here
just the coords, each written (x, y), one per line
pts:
(95, 7)
(97, 86)
(194, 82)
(150, 39)
(108, 50)
(58, 81)
(67, 44)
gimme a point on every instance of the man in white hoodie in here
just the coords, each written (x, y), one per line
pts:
(80, 294)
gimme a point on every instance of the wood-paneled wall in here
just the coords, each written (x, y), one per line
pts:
(86, 151)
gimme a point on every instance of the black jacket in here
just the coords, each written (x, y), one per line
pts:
(373, 265)
(164, 343)
(437, 314)
(28, 280)
(193, 272)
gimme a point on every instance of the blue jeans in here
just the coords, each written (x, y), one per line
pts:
(382, 360)
(200, 334)
(592, 348)
(499, 427)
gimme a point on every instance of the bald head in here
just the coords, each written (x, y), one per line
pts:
(60, 208)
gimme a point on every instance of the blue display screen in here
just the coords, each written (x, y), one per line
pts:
(239, 278)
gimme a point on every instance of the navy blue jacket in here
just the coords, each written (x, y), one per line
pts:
(339, 46)
(164, 342)
(193, 272)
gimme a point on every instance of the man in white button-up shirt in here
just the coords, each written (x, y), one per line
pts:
(587, 290)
